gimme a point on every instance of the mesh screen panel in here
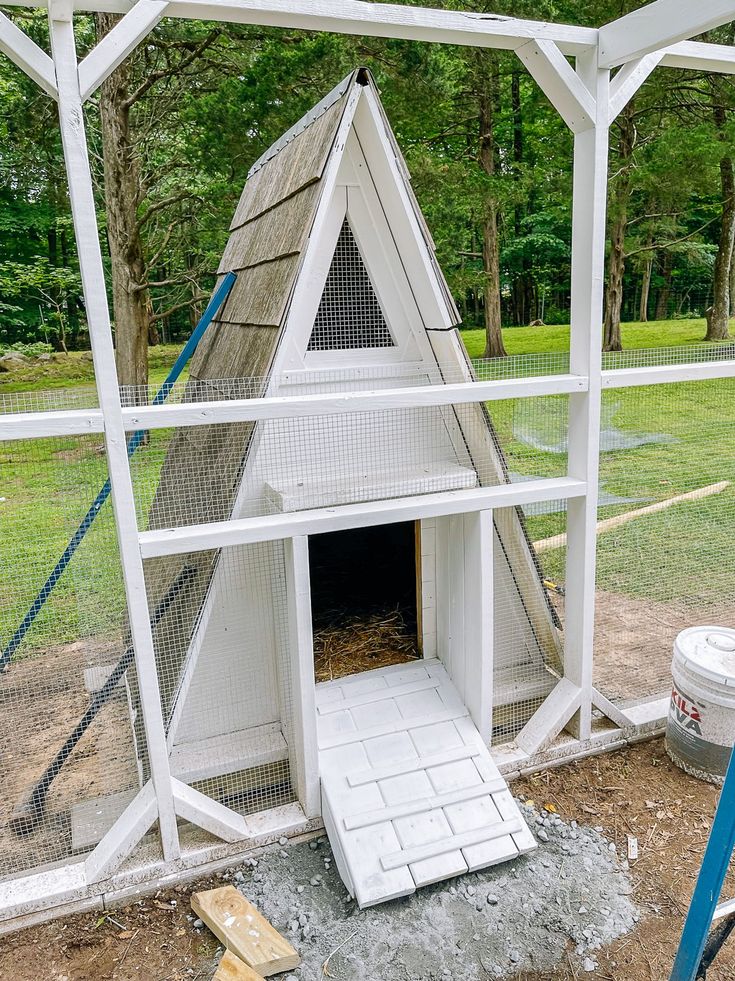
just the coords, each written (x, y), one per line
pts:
(660, 572)
(349, 314)
(67, 653)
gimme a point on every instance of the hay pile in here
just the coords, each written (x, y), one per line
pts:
(350, 645)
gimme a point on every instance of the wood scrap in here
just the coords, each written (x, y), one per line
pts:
(244, 931)
(231, 968)
(607, 524)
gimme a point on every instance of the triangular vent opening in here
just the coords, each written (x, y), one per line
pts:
(349, 314)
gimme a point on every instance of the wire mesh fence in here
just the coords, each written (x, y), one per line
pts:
(661, 569)
(222, 647)
(51, 807)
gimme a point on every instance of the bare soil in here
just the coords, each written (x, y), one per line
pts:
(634, 642)
(41, 700)
(636, 791)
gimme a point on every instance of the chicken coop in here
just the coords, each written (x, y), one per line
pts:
(349, 578)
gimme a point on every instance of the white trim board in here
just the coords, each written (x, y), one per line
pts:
(196, 538)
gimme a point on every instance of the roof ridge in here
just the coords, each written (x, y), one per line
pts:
(358, 76)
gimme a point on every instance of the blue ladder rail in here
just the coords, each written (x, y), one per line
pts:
(711, 876)
(218, 298)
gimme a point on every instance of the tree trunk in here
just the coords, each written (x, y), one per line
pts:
(489, 82)
(718, 318)
(612, 339)
(645, 289)
(662, 297)
(130, 297)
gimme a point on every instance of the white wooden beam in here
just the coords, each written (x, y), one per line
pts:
(115, 46)
(657, 25)
(550, 718)
(588, 268)
(628, 80)
(27, 55)
(560, 83)
(270, 527)
(84, 215)
(303, 754)
(701, 57)
(666, 374)
(380, 20)
(135, 821)
(32, 425)
(207, 813)
(298, 406)
(479, 620)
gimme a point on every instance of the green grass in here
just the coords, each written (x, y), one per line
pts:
(685, 554)
(75, 370)
(537, 340)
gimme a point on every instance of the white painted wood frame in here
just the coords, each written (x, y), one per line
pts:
(630, 40)
(76, 158)
(657, 25)
(303, 751)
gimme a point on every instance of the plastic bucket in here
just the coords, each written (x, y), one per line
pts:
(700, 730)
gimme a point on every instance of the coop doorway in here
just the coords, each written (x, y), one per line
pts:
(365, 599)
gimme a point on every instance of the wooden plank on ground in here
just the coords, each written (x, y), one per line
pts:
(244, 931)
(231, 968)
(607, 524)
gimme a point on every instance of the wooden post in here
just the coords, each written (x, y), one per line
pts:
(303, 753)
(76, 158)
(588, 270)
(479, 620)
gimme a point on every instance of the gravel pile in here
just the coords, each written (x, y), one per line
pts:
(569, 897)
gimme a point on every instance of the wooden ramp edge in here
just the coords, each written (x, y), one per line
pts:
(410, 793)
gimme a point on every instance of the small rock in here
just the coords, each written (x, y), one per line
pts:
(282, 841)
(492, 899)
(198, 924)
(470, 890)
(542, 835)
(299, 889)
(588, 965)
(303, 920)
(313, 881)
(514, 956)
(313, 845)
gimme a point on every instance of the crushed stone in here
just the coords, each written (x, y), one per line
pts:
(570, 896)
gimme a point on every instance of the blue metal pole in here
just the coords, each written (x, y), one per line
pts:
(711, 877)
(218, 298)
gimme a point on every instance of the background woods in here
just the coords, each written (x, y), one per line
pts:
(177, 126)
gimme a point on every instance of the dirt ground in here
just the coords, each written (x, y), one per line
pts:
(634, 642)
(636, 791)
(103, 763)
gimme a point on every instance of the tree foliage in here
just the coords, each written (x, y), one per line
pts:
(490, 160)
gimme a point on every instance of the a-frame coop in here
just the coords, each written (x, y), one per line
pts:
(338, 289)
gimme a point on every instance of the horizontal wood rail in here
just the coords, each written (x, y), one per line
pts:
(270, 527)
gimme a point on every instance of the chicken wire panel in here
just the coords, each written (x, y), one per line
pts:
(713, 351)
(50, 400)
(66, 654)
(528, 614)
(210, 473)
(224, 667)
(660, 572)
(349, 314)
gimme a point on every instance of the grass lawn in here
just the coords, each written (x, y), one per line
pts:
(537, 340)
(684, 554)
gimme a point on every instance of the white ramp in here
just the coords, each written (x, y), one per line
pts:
(410, 794)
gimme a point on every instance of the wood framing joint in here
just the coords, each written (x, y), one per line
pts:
(560, 83)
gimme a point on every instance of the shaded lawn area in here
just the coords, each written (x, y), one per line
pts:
(685, 553)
